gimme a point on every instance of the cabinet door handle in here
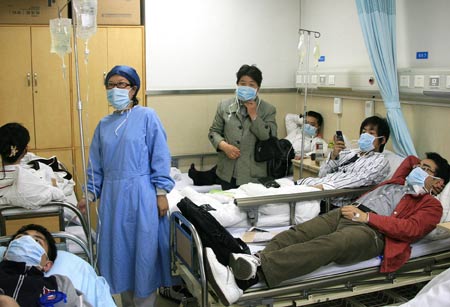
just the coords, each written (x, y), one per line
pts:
(35, 79)
(29, 79)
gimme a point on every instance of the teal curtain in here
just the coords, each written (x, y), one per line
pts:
(377, 19)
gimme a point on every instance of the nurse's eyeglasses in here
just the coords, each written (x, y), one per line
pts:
(111, 85)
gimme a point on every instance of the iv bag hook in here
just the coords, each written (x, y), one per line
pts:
(316, 34)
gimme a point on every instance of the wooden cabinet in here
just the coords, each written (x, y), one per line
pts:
(34, 92)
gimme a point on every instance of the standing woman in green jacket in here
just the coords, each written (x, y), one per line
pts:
(238, 124)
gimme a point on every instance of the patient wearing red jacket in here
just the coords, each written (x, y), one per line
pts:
(384, 221)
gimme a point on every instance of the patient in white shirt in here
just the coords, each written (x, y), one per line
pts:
(20, 185)
(312, 126)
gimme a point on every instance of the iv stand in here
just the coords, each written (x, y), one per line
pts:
(80, 123)
(316, 35)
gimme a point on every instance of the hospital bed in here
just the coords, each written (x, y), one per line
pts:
(81, 273)
(332, 282)
(53, 217)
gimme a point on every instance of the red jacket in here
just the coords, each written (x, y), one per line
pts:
(412, 219)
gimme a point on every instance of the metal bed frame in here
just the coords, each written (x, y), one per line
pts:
(187, 259)
(58, 206)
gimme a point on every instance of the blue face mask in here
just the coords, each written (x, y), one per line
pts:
(366, 142)
(245, 93)
(417, 177)
(118, 98)
(310, 130)
(25, 249)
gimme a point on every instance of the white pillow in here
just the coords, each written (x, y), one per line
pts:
(394, 162)
(95, 288)
(444, 198)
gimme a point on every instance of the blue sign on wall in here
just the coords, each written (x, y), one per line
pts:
(421, 55)
(322, 58)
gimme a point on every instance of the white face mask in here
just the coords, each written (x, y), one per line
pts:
(25, 249)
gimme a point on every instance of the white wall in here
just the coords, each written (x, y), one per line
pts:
(200, 44)
(421, 26)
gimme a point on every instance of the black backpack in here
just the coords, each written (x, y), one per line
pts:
(211, 233)
(280, 165)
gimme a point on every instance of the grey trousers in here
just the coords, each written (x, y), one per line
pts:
(318, 242)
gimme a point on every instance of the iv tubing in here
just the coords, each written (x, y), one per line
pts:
(80, 121)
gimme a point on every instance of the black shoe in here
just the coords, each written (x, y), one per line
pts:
(174, 293)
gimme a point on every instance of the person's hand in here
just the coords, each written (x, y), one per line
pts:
(354, 214)
(434, 185)
(231, 151)
(251, 106)
(338, 147)
(163, 204)
(82, 205)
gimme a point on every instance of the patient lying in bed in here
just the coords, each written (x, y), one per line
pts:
(384, 222)
(71, 272)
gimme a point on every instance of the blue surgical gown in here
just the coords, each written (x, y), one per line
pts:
(129, 158)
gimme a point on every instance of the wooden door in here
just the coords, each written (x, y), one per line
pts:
(16, 102)
(51, 93)
(126, 47)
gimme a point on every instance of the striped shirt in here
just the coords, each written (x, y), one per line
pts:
(369, 169)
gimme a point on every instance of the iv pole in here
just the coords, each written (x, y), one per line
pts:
(80, 123)
(308, 36)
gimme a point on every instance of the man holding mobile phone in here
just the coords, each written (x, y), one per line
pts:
(354, 168)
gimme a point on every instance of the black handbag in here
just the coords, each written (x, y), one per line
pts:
(267, 150)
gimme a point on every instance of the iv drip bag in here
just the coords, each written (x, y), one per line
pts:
(86, 14)
(61, 34)
(301, 47)
(316, 54)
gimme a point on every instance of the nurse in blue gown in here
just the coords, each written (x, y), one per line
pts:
(129, 172)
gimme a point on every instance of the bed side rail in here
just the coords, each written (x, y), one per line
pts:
(186, 249)
(251, 204)
(351, 283)
(19, 211)
(66, 236)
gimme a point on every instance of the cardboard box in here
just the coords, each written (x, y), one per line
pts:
(30, 11)
(119, 12)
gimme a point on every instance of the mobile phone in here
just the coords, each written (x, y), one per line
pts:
(339, 136)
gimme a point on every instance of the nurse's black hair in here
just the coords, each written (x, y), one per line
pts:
(443, 169)
(251, 71)
(14, 139)
(382, 128)
(52, 251)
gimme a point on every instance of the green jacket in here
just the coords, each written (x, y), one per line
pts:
(231, 126)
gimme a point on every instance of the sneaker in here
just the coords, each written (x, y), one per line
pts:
(244, 266)
(221, 279)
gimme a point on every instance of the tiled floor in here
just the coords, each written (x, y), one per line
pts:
(160, 302)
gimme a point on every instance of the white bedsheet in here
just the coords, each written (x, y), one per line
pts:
(419, 248)
(229, 215)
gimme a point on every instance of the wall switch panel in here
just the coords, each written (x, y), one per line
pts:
(404, 81)
(369, 108)
(419, 81)
(331, 80)
(337, 105)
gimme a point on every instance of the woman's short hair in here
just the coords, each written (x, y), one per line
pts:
(250, 70)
